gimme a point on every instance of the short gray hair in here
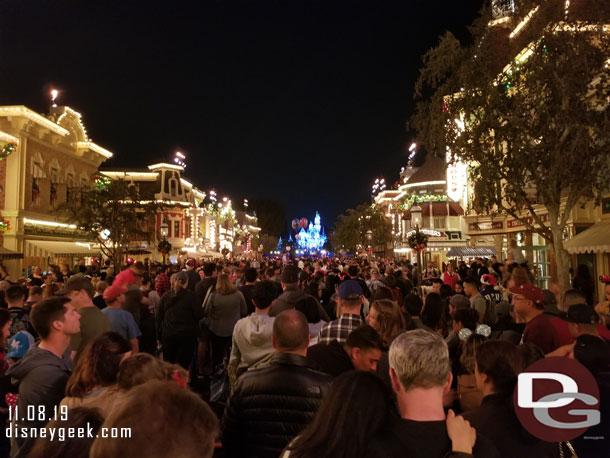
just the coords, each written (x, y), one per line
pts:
(420, 359)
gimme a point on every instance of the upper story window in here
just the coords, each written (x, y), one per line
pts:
(439, 221)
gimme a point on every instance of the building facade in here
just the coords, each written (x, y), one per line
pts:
(440, 193)
(194, 224)
(52, 156)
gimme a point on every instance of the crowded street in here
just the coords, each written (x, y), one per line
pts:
(321, 229)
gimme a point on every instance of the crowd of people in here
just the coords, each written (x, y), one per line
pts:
(311, 358)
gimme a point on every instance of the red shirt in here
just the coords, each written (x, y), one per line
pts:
(162, 284)
(540, 332)
(450, 280)
(125, 278)
(563, 331)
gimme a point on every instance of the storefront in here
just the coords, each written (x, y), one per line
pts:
(592, 248)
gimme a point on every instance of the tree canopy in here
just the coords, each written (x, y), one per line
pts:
(114, 215)
(350, 230)
(525, 105)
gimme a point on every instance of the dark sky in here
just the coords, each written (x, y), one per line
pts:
(304, 101)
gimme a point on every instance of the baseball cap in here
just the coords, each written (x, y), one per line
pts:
(580, 314)
(531, 292)
(112, 292)
(350, 290)
(19, 344)
(488, 279)
(290, 274)
(459, 301)
(503, 310)
(76, 283)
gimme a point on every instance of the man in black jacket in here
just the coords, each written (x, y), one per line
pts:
(271, 406)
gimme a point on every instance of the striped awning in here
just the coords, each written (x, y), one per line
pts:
(470, 252)
(595, 239)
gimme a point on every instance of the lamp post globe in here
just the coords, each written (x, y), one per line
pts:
(416, 216)
(416, 223)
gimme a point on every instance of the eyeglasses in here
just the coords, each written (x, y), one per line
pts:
(516, 298)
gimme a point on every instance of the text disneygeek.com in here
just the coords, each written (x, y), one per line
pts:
(61, 433)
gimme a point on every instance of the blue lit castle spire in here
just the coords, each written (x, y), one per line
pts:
(312, 240)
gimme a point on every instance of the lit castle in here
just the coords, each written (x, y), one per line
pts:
(313, 239)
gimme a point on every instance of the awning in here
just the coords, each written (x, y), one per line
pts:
(469, 252)
(65, 249)
(5, 253)
(595, 239)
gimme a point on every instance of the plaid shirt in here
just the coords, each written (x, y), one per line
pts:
(162, 284)
(339, 329)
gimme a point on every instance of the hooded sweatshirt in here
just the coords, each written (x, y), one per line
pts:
(42, 378)
(251, 342)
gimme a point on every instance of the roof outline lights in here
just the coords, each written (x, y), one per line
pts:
(132, 175)
(38, 222)
(20, 110)
(164, 165)
(95, 148)
(423, 183)
(6, 137)
(524, 22)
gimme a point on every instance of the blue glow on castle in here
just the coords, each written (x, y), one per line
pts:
(313, 239)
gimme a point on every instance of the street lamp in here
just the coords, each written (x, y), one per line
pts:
(416, 222)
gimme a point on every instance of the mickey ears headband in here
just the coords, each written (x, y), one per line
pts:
(482, 330)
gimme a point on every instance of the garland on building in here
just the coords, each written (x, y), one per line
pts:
(418, 241)
(102, 182)
(408, 201)
(7, 150)
(164, 247)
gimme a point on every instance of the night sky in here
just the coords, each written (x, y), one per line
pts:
(304, 101)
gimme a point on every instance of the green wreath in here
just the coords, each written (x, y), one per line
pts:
(7, 150)
(164, 247)
(418, 241)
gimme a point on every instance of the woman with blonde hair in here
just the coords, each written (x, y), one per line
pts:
(223, 308)
(177, 318)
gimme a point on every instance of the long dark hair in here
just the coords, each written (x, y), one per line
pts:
(502, 362)
(433, 311)
(99, 364)
(345, 422)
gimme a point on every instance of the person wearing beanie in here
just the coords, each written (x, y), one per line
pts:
(292, 293)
